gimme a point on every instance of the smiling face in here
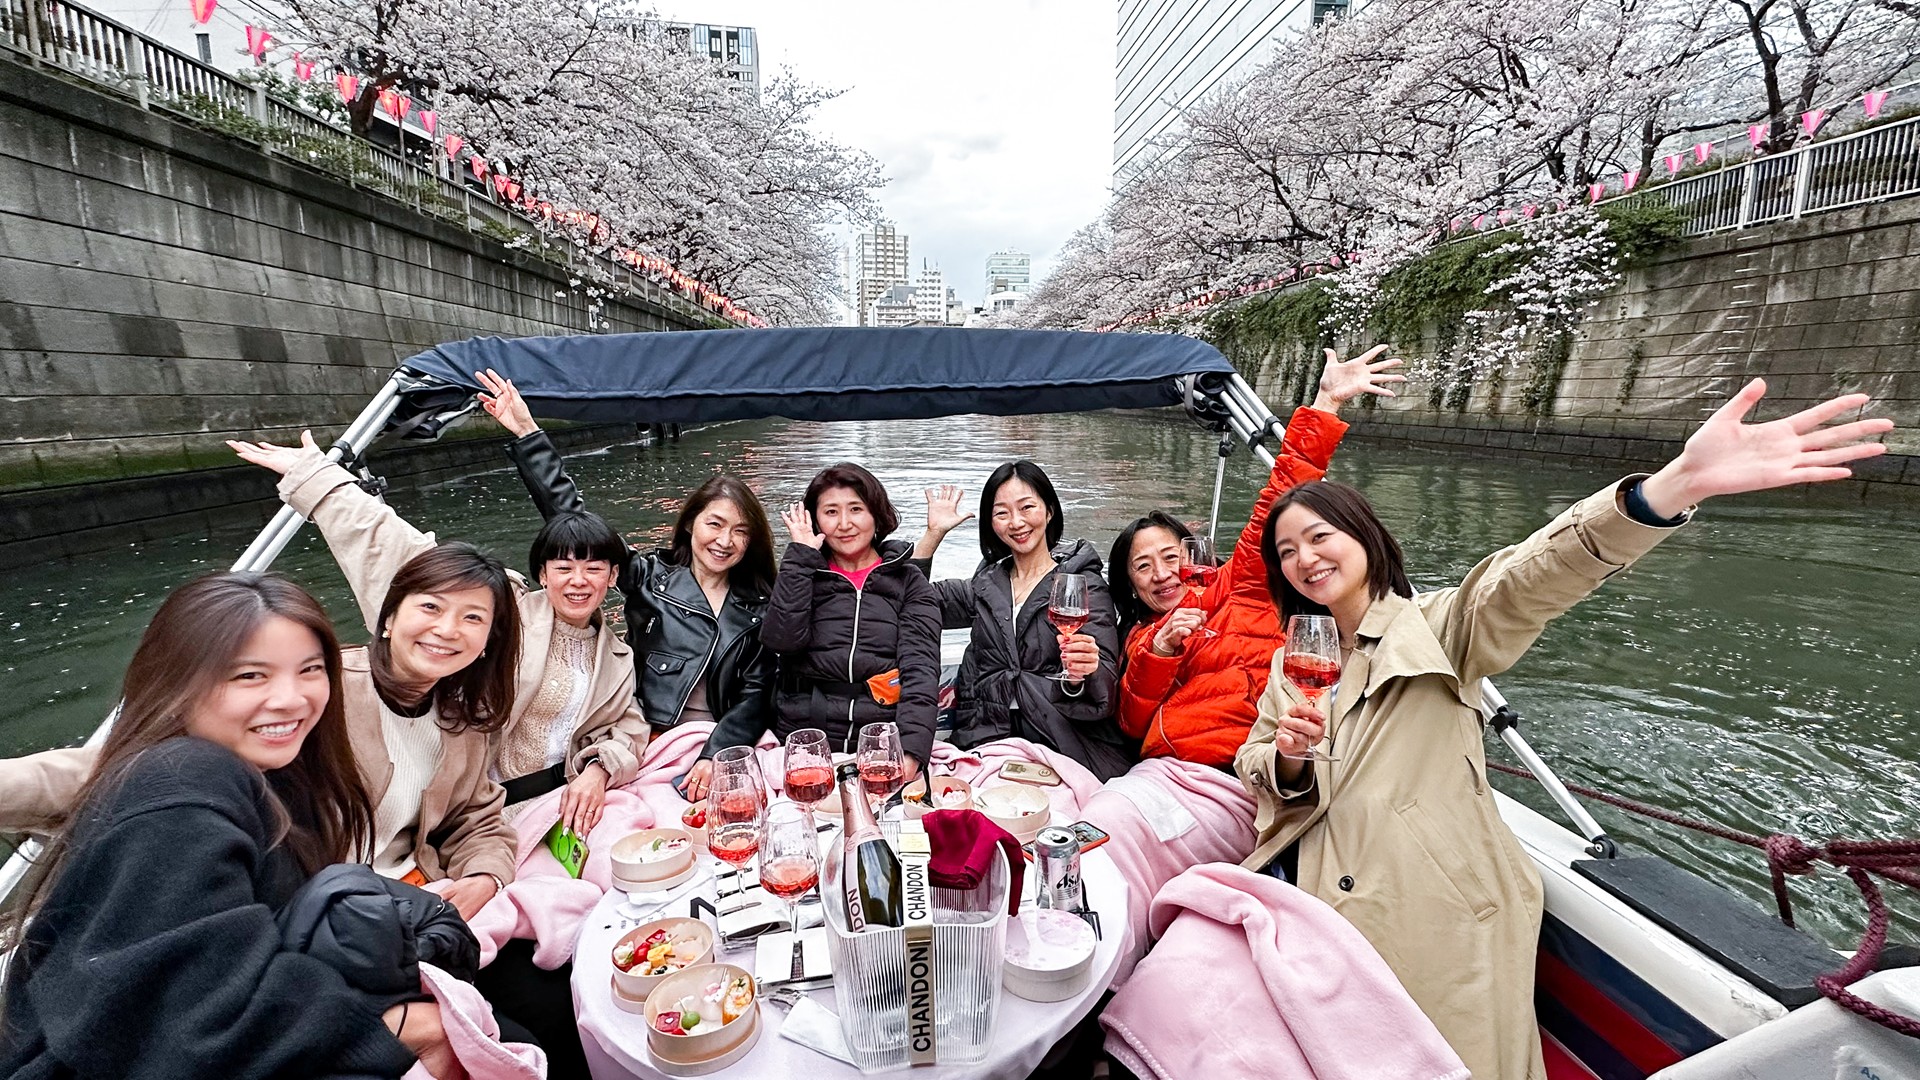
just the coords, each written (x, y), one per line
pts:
(437, 634)
(576, 587)
(270, 698)
(1154, 568)
(1325, 565)
(844, 519)
(1020, 516)
(720, 537)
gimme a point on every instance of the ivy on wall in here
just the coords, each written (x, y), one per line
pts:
(1474, 312)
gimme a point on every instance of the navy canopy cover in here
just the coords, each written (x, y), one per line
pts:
(868, 373)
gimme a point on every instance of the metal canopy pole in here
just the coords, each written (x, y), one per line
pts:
(259, 555)
(1250, 416)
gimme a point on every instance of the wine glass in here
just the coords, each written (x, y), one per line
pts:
(746, 761)
(1067, 610)
(789, 855)
(1312, 663)
(881, 760)
(734, 814)
(809, 767)
(1199, 565)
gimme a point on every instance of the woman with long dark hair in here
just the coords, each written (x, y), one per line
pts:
(856, 624)
(1185, 692)
(227, 781)
(1401, 834)
(693, 609)
(1006, 687)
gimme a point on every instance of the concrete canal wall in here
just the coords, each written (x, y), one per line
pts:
(1824, 305)
(164, 288)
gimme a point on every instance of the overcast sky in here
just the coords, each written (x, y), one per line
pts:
(994, 122)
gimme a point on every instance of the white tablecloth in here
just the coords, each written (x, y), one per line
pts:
(616, 1041)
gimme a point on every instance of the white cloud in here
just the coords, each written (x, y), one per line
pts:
(994, 122)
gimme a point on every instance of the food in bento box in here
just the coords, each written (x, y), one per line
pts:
(661, 847)
(656, 955)
(695, 816)
(723, 1003)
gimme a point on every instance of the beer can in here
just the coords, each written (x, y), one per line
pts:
(1056, 859)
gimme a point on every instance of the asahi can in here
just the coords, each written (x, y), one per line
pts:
(1056, 858)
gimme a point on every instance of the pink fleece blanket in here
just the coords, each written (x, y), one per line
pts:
(1305, 993)
(474, 1036)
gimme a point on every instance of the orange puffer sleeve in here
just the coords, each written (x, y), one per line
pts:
(1312, 437)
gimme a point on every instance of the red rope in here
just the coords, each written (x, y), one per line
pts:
(1895, 860)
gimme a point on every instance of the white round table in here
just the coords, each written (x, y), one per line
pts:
(616, 1040)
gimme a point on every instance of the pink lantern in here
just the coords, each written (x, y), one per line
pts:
(1757, 134)
(1505, 216)
(1873, 101)
(453, 144)
(1528, 211)
(302, 68)
(1673, 163)
(500, 184)
(257, 40)
(203, 9)
(429, 120)
(1594, 191)
(1478, 221)
(395, 104)
(1628, 179)
(1811, 119)
(348, 85)
(1701, 152)
(513, 190)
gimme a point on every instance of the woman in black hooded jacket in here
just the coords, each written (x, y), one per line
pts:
(1004, 689)
(856, 624)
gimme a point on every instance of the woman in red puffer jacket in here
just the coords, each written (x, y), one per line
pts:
(1194, 696)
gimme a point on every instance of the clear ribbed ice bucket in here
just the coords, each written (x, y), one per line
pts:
(870, 972)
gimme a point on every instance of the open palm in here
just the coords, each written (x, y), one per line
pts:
(1728, 455)
(1344, 380)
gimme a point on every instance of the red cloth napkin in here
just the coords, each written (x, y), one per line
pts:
(963, 843)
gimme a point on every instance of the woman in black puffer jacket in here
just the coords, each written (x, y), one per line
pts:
(856, 624)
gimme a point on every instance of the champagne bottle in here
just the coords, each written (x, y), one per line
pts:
(869, 870)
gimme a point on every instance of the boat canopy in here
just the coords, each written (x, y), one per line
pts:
(820, 373)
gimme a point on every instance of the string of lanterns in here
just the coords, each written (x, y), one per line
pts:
(506, 189)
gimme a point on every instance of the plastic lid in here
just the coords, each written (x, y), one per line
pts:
(1043, 941)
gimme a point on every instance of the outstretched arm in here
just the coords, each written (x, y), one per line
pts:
(943, 516)
(538, 461)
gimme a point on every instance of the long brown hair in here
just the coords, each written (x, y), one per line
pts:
(478, 697)
(187, 651)
(755, 568)
(1345, 509)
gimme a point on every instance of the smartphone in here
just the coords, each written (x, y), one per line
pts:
(1030, 772)
(567, 846)
(1090, 836)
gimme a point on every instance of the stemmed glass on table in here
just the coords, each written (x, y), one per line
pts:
(1067, 610)
(881, 761)
(736, 806)
(808, 767)
(1199, 565)
(789, 856)
(1311, 662)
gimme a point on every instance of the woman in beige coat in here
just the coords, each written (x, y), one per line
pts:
(1399, 833)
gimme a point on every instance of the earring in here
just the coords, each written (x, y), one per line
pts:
(386, 633)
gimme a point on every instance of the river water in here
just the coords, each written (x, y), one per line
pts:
(1758, 669)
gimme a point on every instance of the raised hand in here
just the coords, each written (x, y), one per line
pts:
(1727, 455)
(1343, 380)
(1176, 629)
(799, 525)
(504, 403)
(943, 508)
(280, 459)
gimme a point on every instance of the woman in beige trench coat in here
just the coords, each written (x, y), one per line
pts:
(1400, 834)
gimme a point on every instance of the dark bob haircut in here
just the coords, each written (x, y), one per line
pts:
(755, 568)
(992, 548)
(1127, 603)
(1345, 509)
(862, 483)
(478, 697)
(577, 535)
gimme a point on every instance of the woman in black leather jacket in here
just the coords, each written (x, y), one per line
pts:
(693, 609)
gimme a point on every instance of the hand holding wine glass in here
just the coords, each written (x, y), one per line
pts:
(734, 815)
(882, 761)
(744, 760)
(1067, 610)
(1199, 566)
(790, 855)
(808, 767)
(1311, 662)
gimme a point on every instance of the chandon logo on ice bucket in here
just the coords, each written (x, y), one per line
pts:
(916, 892)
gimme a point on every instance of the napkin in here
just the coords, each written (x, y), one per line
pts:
(963, 843)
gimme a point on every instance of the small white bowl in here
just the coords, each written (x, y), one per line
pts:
(1021, 809)
(947, 793)
(698, 941)
(702, 1045)
(698, 832)
(634, 858)
(1049, 955)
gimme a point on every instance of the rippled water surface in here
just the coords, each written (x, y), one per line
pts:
(1758, 669)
